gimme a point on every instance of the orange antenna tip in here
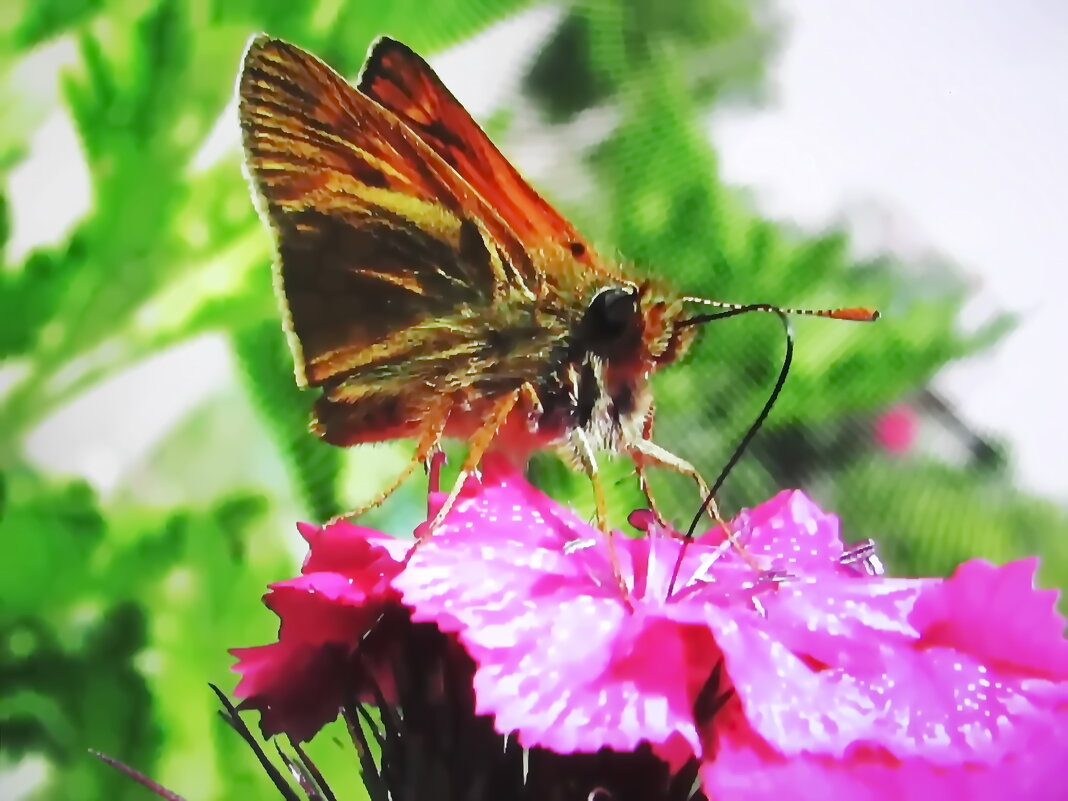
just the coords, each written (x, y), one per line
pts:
(859, 314)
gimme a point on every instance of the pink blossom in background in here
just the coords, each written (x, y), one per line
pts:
(896, 429)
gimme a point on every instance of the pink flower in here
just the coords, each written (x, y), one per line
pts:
(796, 670)
(299, 682)
(895, 429)
(832, 670)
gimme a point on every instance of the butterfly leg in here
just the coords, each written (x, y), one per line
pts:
(480, 442)
(647, 452)
(653, 454)
(426, 445)
(643, 477)
(528, 399)
(583, 450)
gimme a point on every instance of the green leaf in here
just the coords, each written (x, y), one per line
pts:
(267, 369)
(44, 19)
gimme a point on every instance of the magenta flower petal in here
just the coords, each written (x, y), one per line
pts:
(320, 607)
(746, 767)
(937, 703)
(831, 662)
(296, 687)
(561, 659)
(300, 682)
(793, 534)
(343, 547)
(980, 610)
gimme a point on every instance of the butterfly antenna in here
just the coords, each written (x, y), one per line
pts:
(859, 314)
(855, 314)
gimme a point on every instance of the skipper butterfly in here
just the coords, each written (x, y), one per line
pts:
(428, 291)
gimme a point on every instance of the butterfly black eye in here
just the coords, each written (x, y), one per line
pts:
(610, 314)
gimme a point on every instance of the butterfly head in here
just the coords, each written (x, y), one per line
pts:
(634, 325)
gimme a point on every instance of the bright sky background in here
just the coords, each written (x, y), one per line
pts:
(949, 117)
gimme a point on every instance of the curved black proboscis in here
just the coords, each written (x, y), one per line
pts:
(751, 432)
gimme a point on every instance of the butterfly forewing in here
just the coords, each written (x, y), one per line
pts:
(401, 80)
(376, 233)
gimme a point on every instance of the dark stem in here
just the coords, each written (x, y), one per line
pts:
(138, 777)
(237, 724)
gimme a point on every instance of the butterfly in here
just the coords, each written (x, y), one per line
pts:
(428, 291)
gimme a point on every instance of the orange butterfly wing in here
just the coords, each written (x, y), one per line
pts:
(393, 272)
(375, 231)
(403, 82)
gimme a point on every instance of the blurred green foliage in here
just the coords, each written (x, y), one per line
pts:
(115, 612)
